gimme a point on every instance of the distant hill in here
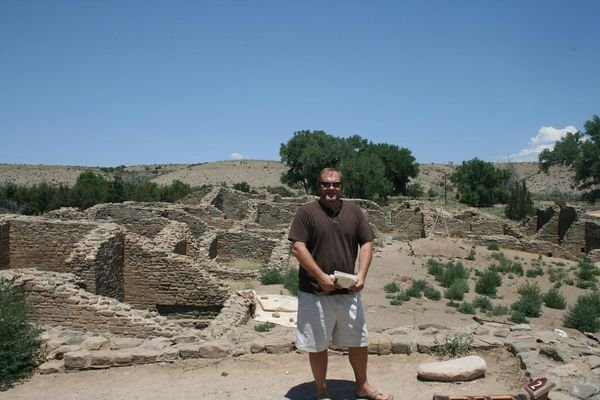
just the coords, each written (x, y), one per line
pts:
(260, 174)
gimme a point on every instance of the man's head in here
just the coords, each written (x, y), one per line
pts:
(330, 185)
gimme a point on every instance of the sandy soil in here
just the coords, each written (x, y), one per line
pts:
(287, 376)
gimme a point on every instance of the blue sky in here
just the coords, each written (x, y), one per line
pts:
(106, 83)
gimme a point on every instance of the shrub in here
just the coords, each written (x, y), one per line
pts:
(493, 246)
(19, 340)
(587, 270)
(432, 293)
(518, 317)
(530, 303)
(507, 266)
(555, 299)
(471, 255)
(455, 346)
(280, 190)
(451, 273)
(557, 274)
(242, 187)
(466, 308)
(457, 289)
(585, 315)
(499, 310)
(483, 303)
(488, 283)
(534, 272)
(391, 287)
(264, 327)
(434, 267)
(291, 281)
(271, 277)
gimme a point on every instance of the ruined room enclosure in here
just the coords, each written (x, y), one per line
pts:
(170, 261)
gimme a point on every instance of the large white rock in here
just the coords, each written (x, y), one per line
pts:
(458, 369)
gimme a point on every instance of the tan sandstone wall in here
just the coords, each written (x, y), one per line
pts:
(98, 260)
(60, 300)
(236, 245)
(44, 244)
(4, 245)
(170, 282)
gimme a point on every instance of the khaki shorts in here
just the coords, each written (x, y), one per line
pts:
(335, 320)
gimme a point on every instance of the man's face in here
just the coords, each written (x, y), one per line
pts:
(330, 188)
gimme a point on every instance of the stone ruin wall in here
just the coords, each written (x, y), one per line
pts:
(4, 245)
(98, 259)
(170, 282)
(44, 244)
(164, 263)
(240, 245)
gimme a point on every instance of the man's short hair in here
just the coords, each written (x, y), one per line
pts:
(329, 170)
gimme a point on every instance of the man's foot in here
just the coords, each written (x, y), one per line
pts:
(375, 395)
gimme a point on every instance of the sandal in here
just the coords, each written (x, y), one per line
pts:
(374, 395)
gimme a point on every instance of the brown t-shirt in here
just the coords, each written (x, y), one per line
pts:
(333, 239)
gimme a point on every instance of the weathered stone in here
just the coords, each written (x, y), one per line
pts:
(188, 350)
(584, 390)
(278, 346)
(402, 344)
(555, 353)
(52, 367)
(426, 344)
(380, 344)
(214, 350)
(593, 361)
(486, 342)
(77, 360)
(96, 343)
(459, 369)
(117, 343)
(565, 370)
(141, 355)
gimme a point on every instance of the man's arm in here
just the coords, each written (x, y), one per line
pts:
(307, 261)
(364, 262)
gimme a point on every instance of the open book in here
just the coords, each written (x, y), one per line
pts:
(344, 279)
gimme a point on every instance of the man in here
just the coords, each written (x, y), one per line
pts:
(327, 235)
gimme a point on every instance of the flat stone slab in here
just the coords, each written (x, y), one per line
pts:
(458, 369)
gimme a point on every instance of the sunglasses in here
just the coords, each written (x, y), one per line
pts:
(325, 185)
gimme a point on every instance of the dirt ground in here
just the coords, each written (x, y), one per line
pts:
(287, 376)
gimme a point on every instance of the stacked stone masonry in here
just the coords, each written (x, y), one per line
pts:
(123, 268)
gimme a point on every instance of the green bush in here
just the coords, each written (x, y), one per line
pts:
(453, 346)
(432, 293)
(585, 315)
(264, 327)
(557, 273)
(19, 340)
(534, 272)
(493, 246)
(518, 317)
(291, 281)
(242, 187)
(488, 283)
(435, 267)
(483, 303)
(451, 273)
(507, 266)
(457, 290)
(555, 299)
(391, 287)
(530, 303)
(271, 277)
(466, 308)
(499, 310)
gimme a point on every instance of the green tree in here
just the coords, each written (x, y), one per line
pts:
(19, 340)
(400, 166)
(581, 152)
(90, 189)
(305, 154)
(479, 183)
(370, 170)
(519, 204)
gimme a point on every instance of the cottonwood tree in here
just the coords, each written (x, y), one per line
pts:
(480, 183)
(581, 152)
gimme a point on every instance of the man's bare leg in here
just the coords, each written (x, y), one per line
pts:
(318, 365)
(358, 357)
